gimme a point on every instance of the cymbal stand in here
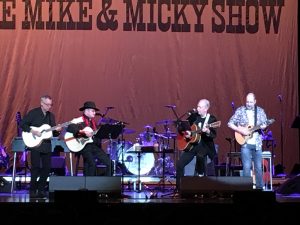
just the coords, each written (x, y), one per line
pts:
(138, 181)
(110, 144)
(122, 150)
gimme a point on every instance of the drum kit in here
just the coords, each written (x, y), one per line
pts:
(128, 161)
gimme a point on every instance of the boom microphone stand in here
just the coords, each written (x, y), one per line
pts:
(281, 128)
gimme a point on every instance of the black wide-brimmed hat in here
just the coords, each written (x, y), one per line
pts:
(89, 105)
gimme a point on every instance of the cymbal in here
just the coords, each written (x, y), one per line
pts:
(148, 127)
(128, 131)
(165, 122)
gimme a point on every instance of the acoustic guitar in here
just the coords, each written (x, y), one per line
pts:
(77, 144)
(31, 140)
(184, 143)
(242, 139)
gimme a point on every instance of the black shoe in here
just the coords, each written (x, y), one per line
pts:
(33, 194)
(41, 194)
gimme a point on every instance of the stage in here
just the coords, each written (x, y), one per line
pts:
(152, 204)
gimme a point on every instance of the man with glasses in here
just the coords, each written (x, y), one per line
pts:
(41, 154)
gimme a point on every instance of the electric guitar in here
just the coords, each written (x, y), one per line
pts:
(31, 140)
(77, 144)
(184, 143)
(242, 139)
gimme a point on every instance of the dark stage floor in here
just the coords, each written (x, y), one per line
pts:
(152, 204)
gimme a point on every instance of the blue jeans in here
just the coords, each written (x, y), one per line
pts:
(249, 154)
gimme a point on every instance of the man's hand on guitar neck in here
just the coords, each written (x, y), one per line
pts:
(59, 128)
(206, 130)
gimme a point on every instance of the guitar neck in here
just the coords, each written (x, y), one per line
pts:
(57, 126)
(255, 128)
(213, 125)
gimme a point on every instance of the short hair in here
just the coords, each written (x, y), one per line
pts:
(46, 97)
(207, 103)
(251, 93)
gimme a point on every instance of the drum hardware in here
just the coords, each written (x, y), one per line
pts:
(128, 131)
(131, 159)
(165, 122)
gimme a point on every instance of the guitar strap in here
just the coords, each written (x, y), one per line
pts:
(206, 120)
(255, 115)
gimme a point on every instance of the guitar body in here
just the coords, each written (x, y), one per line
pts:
(242, 139)
(184, 143)
(31, 140)
(77, 144)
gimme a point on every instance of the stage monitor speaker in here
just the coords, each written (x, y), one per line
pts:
(66, 183)
(104, 186)
(291, 186)
(5, 186)
(192, 186)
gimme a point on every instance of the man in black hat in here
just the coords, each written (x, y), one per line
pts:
(91, 150)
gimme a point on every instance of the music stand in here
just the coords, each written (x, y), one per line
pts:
(109, 131)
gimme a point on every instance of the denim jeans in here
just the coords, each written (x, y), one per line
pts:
(249, 154)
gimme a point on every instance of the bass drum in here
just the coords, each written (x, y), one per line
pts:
(131, 161)
(115, 149)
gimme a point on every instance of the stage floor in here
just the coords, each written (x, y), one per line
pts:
(151, 205)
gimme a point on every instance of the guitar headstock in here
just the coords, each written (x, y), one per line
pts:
(18, 118)
(270, 121)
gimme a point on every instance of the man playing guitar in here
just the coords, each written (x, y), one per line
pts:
(91, 145)
(203, 145)
(244, 119)
(40, 154)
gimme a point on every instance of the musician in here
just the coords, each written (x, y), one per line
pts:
(92, 151)
(41, 154)
(251, 150)
(200, 120)
(4, 158)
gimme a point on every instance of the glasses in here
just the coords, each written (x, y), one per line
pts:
(47, 104)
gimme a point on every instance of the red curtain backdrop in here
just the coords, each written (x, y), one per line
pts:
(250, 46)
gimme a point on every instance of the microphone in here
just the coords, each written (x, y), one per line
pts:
(232, 105)
(279, 97)
(99, 114)
(170, 106)
(110, 107)
(191, 111)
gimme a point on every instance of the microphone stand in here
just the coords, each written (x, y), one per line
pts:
(281, 128)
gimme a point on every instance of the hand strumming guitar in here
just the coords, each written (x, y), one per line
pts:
(36, 132)
(87, 132)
